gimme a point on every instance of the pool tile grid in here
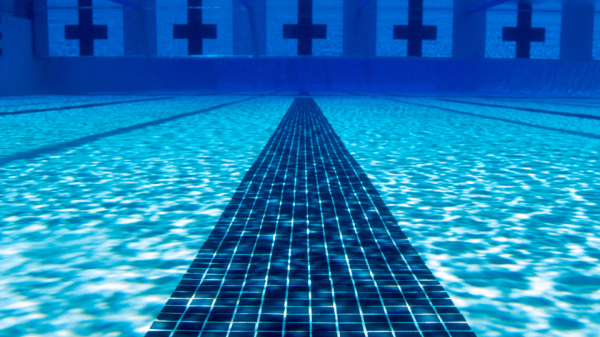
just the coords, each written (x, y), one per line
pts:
(207, 258)
(372, 198)
(307, 247)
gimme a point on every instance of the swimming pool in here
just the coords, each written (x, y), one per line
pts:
(104, 206)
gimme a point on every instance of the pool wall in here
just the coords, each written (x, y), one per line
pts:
(24, 73)
(418, 76)
(20, 73)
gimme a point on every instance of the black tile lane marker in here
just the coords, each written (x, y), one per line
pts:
(549, 112)
(82, 106)
(307, 247)
(42, 151)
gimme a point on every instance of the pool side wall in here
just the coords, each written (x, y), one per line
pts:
(412, 76)
(20, 72)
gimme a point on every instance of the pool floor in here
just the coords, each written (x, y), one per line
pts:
(108, 200)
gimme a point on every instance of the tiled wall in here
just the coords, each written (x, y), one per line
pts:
(390, 13)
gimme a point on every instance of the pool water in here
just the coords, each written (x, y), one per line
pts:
(105, 206)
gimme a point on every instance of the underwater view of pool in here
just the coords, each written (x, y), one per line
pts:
(107, 199)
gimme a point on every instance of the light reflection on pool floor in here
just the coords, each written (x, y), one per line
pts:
(506, 216)
(95, 238)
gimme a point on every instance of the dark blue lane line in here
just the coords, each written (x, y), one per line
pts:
(42, 151)
(86, 98)
(13, 105)
(82, 106)
(567, 114)
(175, 93)
(590, 105)
(26, 104)
(576, 133)
(307, 247)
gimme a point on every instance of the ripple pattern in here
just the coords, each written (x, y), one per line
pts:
(96, 238)
(506, 216)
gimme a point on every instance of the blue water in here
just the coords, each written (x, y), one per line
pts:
(97, 232)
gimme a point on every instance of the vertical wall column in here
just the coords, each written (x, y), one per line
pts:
(40, 28)
(139, 26)
(468, 34)
(577, 31)
(20, 73)
(250, 27)
(360, 25)
(0, 35)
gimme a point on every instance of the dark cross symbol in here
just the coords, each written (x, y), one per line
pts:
(195, 31)
(523, 34)
(415, 32)
(86, 32)
(305, 31)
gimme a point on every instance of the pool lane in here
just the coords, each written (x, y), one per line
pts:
(504, 215)
(34, 134)
(104, 232)
(549, 123)
(308, 247)
(558, 113)
(45, 150)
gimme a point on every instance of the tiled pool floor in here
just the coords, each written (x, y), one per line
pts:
(105, 207)
(305, 247)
